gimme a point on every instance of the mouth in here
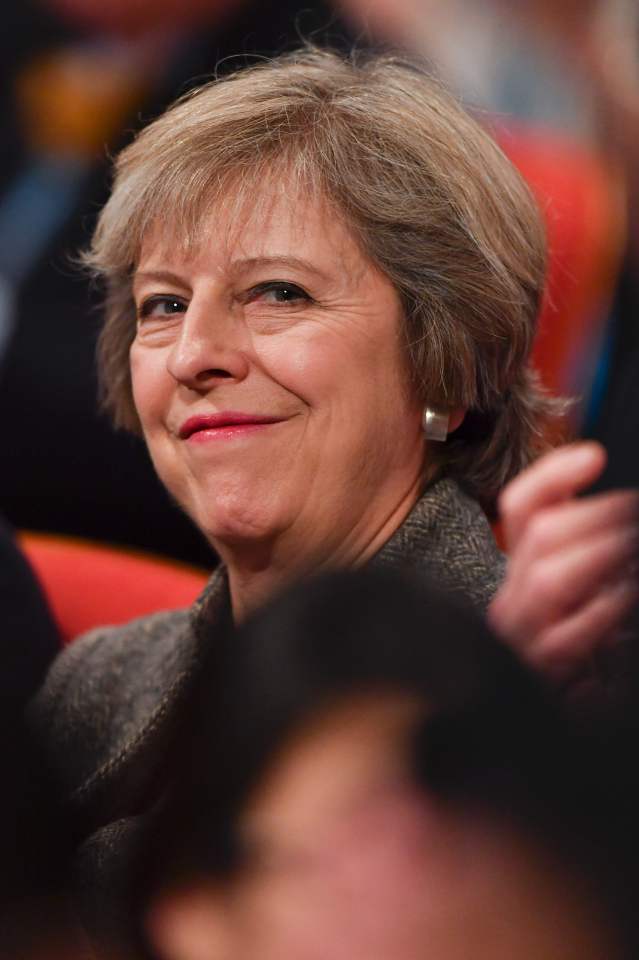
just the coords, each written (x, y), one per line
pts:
(209, 426)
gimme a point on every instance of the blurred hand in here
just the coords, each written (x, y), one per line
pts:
(572, 577)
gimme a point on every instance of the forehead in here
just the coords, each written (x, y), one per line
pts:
(336, 759)
(278, 220)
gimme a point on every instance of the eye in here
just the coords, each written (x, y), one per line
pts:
(278, 291)
(161, 307)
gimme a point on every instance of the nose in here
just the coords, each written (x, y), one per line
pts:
(210, 348)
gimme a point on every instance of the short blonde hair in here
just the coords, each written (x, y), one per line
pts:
(426, 192)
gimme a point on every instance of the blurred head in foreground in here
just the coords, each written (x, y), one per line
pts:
(374, 778)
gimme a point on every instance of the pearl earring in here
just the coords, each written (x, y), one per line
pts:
(435, 424)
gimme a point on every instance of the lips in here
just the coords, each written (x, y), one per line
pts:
(223, 421)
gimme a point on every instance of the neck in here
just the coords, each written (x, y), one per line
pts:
(256, 571)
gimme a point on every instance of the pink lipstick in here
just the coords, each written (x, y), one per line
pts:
(224, 425)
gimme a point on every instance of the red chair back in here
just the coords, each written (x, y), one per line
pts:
(90, 584)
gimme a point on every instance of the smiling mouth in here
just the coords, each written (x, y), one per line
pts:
(224, 424)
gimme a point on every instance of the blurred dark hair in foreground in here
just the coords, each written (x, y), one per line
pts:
(372, 693)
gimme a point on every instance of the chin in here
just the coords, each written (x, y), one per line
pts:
(238, 517)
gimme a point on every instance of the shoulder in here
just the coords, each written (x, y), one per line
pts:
(102, 658)
(448, 536)
(474, 562)
(106, 690)
(465, 554)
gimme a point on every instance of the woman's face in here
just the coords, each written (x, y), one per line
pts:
(271, 383)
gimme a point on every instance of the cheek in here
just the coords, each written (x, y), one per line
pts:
(150, 384)
(339, 364)
(306, 364)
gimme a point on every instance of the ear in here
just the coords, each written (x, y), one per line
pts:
(190, 924)
(456, 418)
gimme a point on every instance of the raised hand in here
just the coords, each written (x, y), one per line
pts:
(572, 577)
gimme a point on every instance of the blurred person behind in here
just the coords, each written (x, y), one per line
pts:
(37, 918)
(367, 775)
(28, 633)
(76, 78)
(600, 39)
(482, 51)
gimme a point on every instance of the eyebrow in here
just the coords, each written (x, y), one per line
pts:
(284, 260)
(163, 276)
(240, 266)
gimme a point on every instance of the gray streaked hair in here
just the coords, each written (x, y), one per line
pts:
(425, 191)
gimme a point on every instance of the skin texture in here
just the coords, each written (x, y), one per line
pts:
(331, 481)
(347, 860)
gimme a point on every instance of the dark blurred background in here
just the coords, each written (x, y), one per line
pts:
(558, 87)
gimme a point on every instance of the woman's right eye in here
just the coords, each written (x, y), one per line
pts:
(160, 307)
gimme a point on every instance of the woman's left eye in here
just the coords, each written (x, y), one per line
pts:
(278, 291)
(161, 307)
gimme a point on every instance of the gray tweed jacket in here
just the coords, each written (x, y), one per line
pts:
(112, 700)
